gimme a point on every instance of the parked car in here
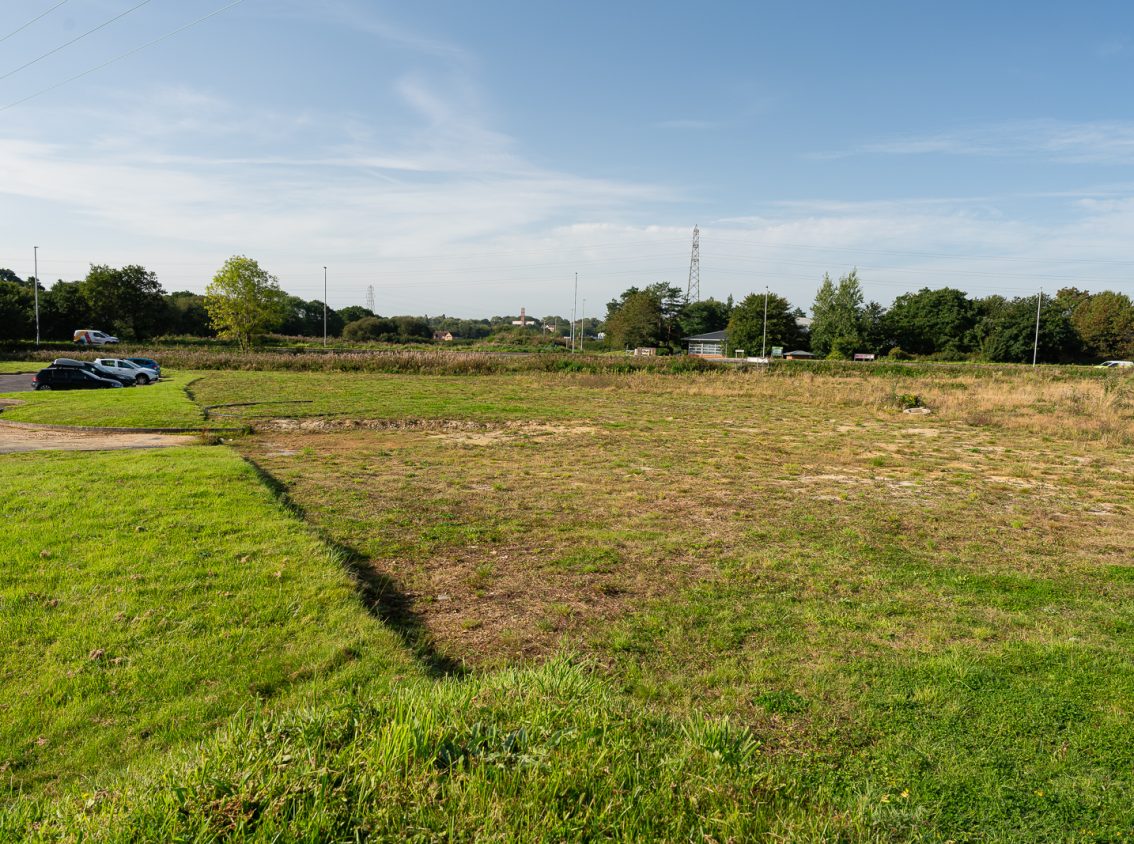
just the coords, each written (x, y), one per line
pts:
(70, 378)
(90, 337)
(141, 375)
(1122, 363)
(147, 363)
(121, 376)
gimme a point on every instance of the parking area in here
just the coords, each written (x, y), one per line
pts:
(16, 383)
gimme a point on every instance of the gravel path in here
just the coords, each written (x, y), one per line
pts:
(28, 439)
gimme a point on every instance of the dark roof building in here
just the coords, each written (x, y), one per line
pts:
(711, 345)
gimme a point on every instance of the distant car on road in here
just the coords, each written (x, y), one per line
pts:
(70, 378)
(1120, 363)
(90, 337)
(147, 363)
(125, 367)
(126, 379)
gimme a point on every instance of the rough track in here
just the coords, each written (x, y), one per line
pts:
(29, 439)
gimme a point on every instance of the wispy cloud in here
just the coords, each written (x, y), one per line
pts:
(1097, 142)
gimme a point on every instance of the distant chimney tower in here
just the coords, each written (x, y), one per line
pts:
(523, 321)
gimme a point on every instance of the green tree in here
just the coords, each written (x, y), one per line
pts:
(186, 315)
(1104, 322)
(244, 301)
(932, 321)
(351, 313)
(64, 310)
(628, 318)
(1006, 330)
(836, 316)
(128, 301)
(17, 311)
(635, 321)
(746, 324)
(369, 329)
(704, 316)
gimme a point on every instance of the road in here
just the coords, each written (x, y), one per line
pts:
(15, 383)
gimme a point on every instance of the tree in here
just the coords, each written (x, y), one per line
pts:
(704, 316)
(636, 321)
(647, 317)
(352, 313)
(63, 310)
(932, 321)
(128, 301)
(1006, 330)
(746, 325)
(17, 311)
(836, 316)
(187, 315)
(369, 328)
(1104, 322)
(244, 300)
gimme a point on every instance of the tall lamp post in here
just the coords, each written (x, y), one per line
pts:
(764, 342)
(1035, 347)
(324, 307)
(574, 311)
(35, 287)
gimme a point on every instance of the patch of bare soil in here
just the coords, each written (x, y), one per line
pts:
(14, 440)
(442, 426)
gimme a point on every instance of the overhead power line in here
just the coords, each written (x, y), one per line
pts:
(102, 25)
(125, 55)
(20, 29)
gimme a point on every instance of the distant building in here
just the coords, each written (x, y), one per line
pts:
(798, 354)
(447, 336)
(711, 345)
(523, 321)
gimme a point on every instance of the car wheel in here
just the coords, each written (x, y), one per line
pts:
(142, 379)
(42, 387)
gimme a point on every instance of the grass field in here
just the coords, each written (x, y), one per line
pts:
(161, 405)
(795, 613)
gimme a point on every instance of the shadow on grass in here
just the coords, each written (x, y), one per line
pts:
(380, 593)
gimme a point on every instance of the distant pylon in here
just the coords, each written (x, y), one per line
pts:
(370, 298)
(693, 291)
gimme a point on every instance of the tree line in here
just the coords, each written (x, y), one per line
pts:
(243, 301)
(943, 323)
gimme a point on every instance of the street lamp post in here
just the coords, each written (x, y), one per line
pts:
(35, 288)
(1035, 346)
(764, 342)
(324, 307)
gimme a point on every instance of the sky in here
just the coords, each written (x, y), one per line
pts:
(469, 158)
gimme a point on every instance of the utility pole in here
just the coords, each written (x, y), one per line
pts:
(35, 287)
(693, 289)
(582, 321)
(764, 342)
(324, 307)
(574, 311)
(1035, 348)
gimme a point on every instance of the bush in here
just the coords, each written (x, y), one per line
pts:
(896, 353)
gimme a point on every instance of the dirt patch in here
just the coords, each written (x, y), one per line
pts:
(440, 426)
(14, 440)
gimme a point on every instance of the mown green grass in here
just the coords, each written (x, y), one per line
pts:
(802, 615)
(146, 597)
(7, 366)
(161, 405)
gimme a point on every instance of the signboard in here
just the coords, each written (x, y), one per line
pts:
(777, 351)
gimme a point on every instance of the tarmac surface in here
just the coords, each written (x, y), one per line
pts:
(16, 383)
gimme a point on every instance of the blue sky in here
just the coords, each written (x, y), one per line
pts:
(469, 158)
